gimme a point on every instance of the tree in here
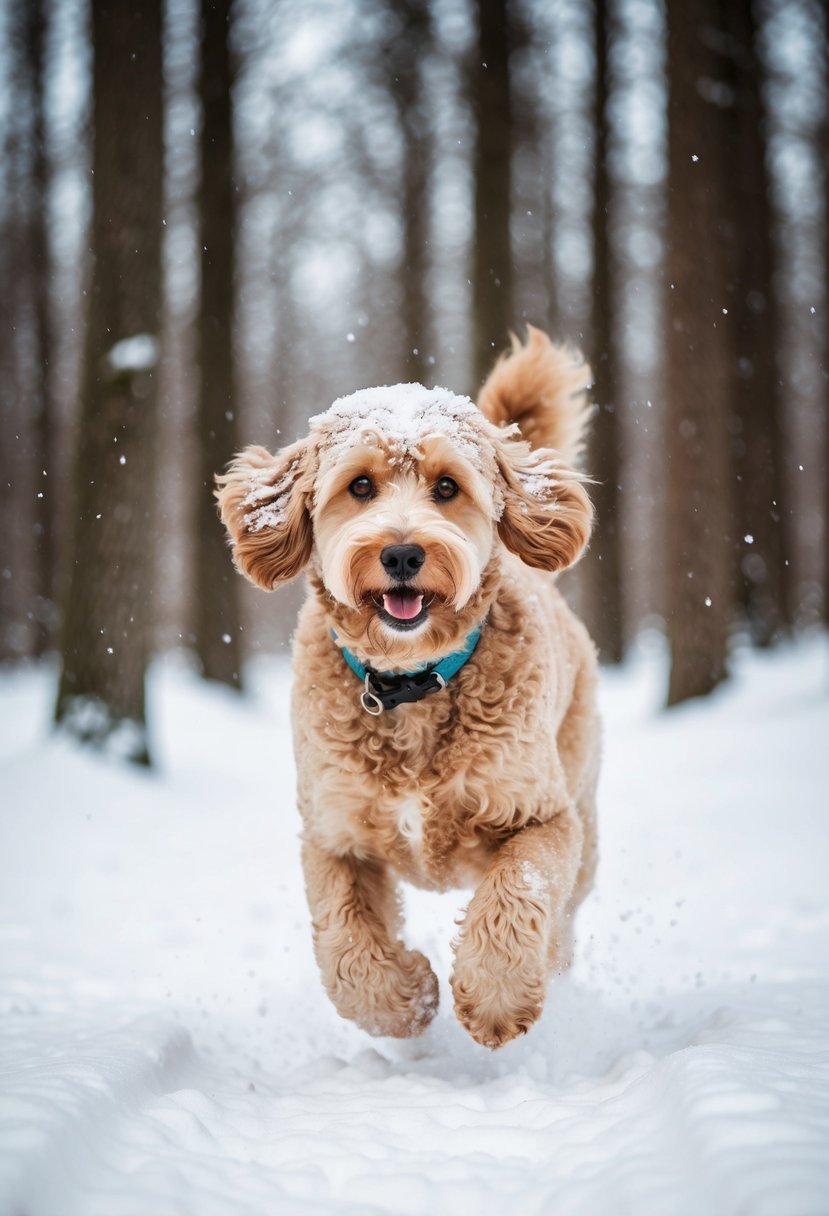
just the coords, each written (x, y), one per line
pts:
(603, 563)
(43, 338)
(825, 157)
(754, 376)
(405, 53)
(28, 481)
(8, 597)
(108, 596)
(698, 557)
(217, 584)
(10, 274)
(492, 303)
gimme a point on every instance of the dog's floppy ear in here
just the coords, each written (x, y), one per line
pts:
(547, 515)
(264, 502)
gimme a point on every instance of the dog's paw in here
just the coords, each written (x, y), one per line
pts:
(503, 957)
(397, 996)
(410, 998)
(500, 1008)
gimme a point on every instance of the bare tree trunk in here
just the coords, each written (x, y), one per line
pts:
(825, 138)
(13, 634)
(43, 339)
(602, 568)
(755, 379)
(404, 56)
(698, 557)
(109, 592)
(218, 642)
(492, 301)
(549, 224)
(8, 597)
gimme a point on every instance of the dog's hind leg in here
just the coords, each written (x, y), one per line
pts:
(515, 932)
(368, 973)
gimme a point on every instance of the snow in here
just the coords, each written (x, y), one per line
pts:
(167, 1047)
(534, 880)
(541, 480)
(136, 354)
(403, 415)
(269, 499)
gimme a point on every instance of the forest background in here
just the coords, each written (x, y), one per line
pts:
(215, 218)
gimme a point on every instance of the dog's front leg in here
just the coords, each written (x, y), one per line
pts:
(369, 975)
(516, 930)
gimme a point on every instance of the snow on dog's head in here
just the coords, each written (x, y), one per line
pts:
(399, 497)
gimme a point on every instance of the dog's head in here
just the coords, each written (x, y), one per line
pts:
(401, 497)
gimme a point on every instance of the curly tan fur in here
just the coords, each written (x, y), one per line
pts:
(542, 387)
(268, 555)
(488, 783)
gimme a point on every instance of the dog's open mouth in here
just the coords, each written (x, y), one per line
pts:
(403, 607)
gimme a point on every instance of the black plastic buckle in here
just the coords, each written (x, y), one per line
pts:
(387, 692)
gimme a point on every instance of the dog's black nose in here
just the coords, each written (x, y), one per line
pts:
(402, 562)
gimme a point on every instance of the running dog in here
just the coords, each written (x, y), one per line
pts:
(444, 693)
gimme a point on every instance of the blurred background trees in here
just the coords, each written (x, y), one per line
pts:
(357, 192)
(107, 604)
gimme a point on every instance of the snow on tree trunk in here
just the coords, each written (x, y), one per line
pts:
(108, 597)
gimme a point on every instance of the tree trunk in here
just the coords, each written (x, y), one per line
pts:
(825, 137)
(8, 456)
(492, 302)
(43, 339)
(218, 641)
(698, 557)
(549, 225)
(756, 388)
(603, 564)
(108, 596)
(404, 56)
(14, 488)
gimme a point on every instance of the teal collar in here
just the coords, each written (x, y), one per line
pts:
(387, 690)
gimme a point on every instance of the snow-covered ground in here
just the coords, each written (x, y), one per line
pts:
(167, 1047)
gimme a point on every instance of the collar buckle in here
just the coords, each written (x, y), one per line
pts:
(388, 691)
(370, 703)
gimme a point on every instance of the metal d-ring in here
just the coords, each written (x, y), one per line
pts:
(370, 703)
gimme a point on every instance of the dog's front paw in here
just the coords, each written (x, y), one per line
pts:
(407, 1000)
(503, 958)
(496, 1008)
(395, 996)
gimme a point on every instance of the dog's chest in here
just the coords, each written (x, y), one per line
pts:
(399, 822)
(405, 820)
(422, 842)
(408, 816)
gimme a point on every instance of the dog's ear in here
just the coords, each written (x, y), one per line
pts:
(264, 502)
(547, 515)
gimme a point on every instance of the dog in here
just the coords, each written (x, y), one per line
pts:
(445, 726)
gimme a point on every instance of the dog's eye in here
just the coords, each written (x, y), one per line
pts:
(446, 488)
(362, 487)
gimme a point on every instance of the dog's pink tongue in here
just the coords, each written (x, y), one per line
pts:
(403, 607)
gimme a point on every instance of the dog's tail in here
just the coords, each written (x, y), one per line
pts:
(543, 387)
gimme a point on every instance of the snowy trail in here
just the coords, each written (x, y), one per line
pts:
(166, 1046)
